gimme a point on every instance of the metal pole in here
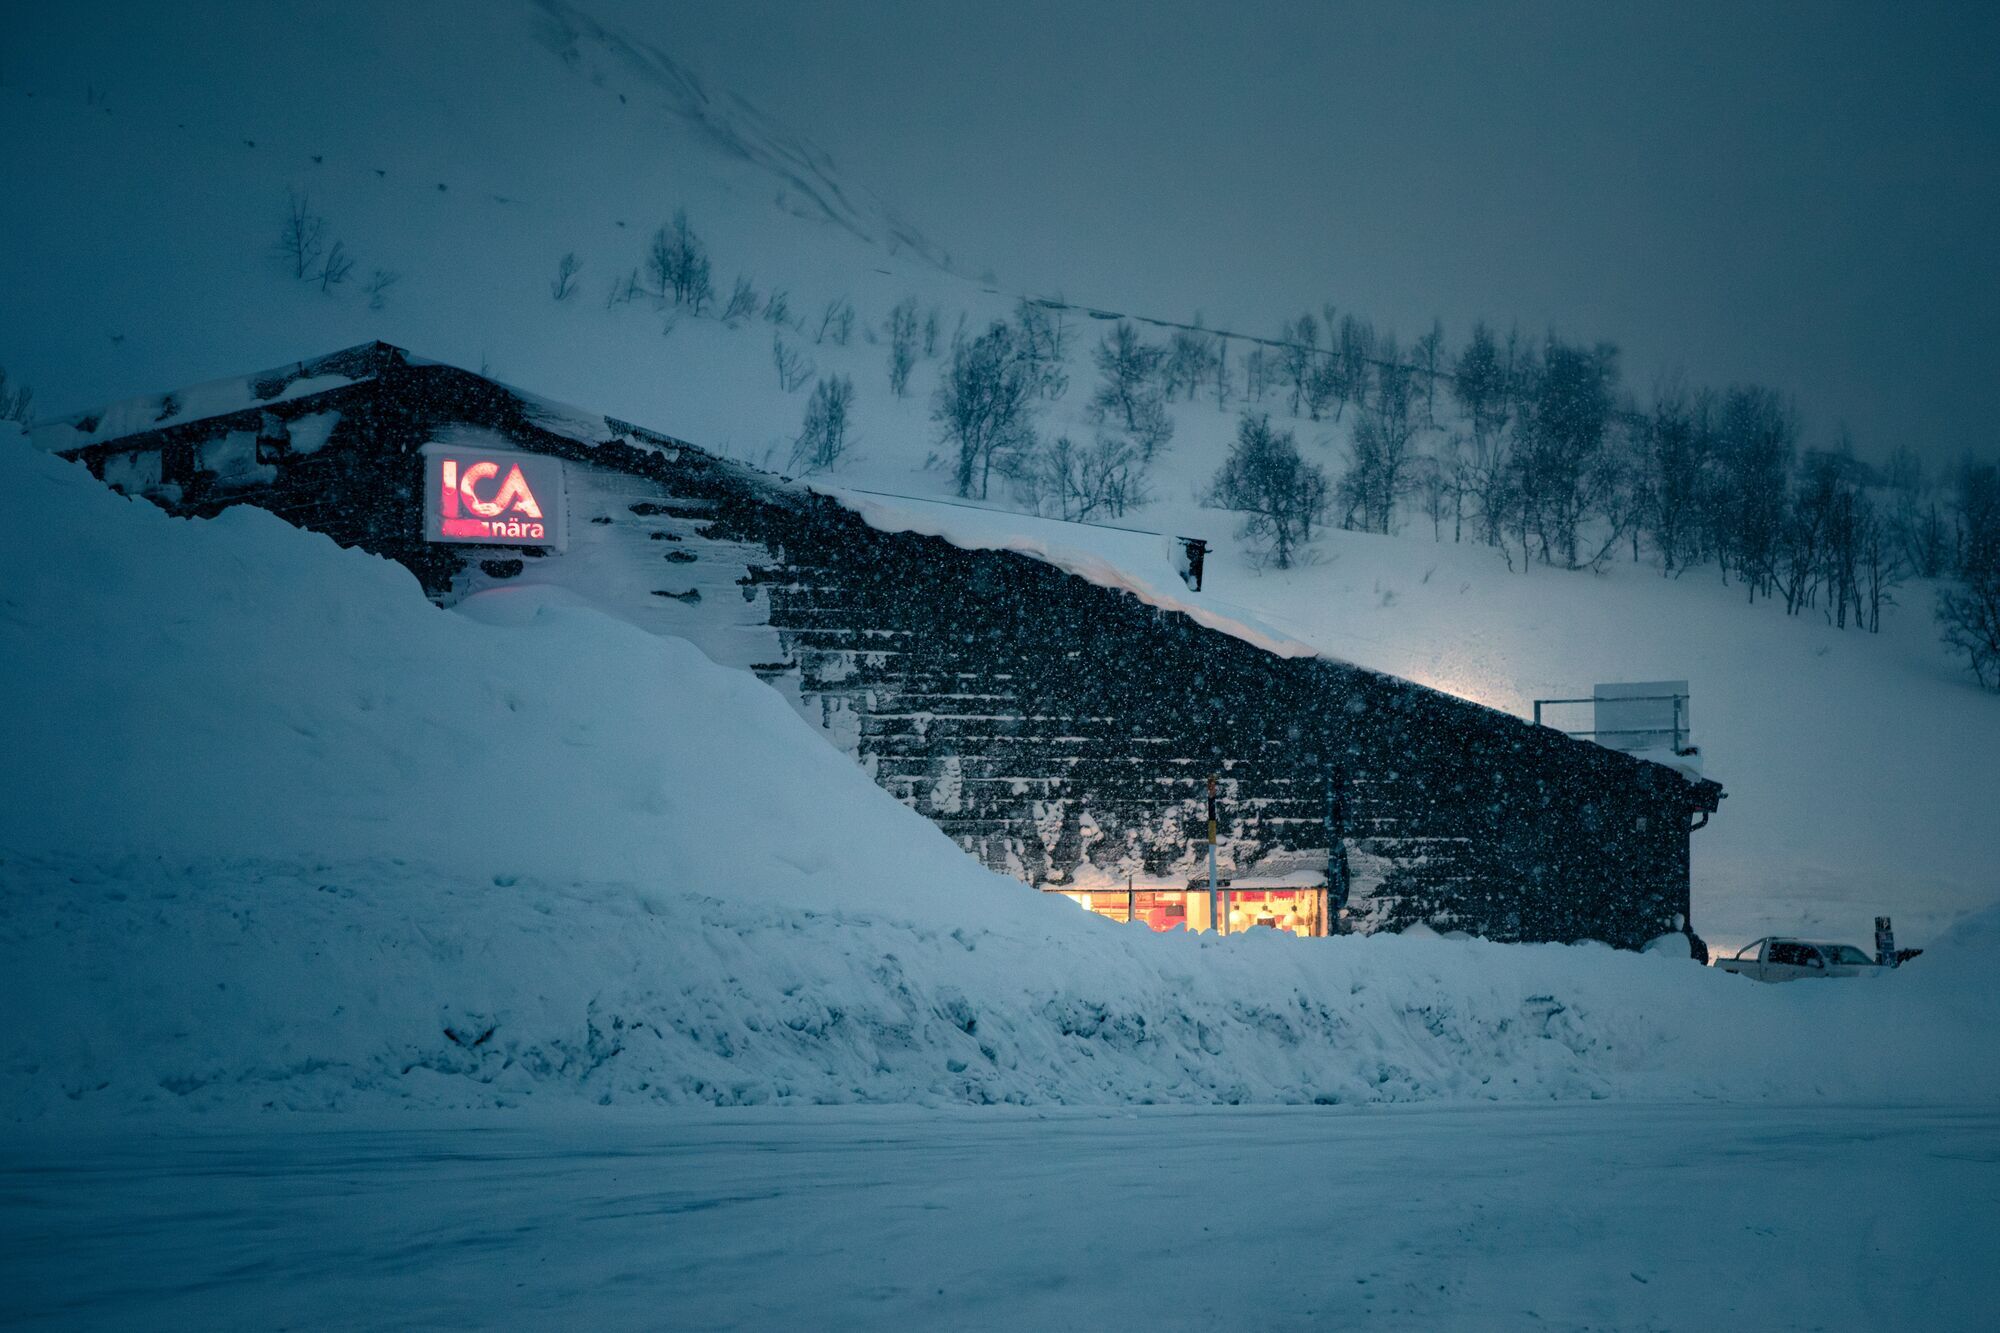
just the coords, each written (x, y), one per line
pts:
(1214, 921)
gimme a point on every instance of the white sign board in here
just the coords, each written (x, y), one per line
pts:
(487, 497)
(1642, 715)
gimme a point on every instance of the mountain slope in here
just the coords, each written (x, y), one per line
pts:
(467, 148)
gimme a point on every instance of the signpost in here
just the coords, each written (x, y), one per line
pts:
(1218, 921)
(1885, 942)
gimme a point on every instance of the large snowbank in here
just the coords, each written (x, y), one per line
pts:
(284, 834)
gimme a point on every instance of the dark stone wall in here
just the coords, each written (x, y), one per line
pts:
(1041, 720)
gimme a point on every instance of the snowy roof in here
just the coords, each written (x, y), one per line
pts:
(216, 398)
(1141, 563)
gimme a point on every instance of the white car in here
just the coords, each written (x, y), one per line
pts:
(1775, 958)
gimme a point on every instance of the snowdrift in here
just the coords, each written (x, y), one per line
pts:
(282, 834)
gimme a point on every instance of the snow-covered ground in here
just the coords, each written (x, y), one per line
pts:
(525, 894)
(1572, 1217)
(468, 148)
(297, 839)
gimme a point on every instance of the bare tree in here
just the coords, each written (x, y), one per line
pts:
(1672, 477)
(1129, 395)
(1481, 384)
(823, 439)
(836, 322)
(793, 368)
(777, 307)
(1755, 436)
(1427, 355)
(1916, 519)
(1044, 342)
(16, 403)
(1431, 478)
(1353, 353)
(902, 345)
(1258, 375)
(1065, 480)
(1298, 359)
(378, 285)
(334, 269)
(677, 263)
(1189, 365)
(1281, 495)
(1882, 566)
(623, 290)
(1455, 469)
(1968, 608)
(931, 334)
(563, 285)
(742, 303)
(1224, 382)
(1559, 446)
(1384, 429)
(302, 236)
(983, 406)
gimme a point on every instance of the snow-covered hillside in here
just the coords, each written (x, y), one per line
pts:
(296, 838)
(466, 149)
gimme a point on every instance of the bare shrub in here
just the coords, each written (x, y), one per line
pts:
(563, 285)
(836, 322)
(335, 268)
(378, 285)
(824, 437)
(793, 368)
(742, 302)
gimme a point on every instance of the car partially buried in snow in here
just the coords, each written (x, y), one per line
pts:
(1776, 958)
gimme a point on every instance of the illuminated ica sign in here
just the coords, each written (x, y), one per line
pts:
(492, 499)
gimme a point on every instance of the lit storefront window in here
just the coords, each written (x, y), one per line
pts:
(1298, 910)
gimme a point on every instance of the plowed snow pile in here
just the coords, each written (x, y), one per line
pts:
(280, 833)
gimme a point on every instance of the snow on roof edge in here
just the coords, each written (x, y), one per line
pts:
(928, 519)
(209, 399)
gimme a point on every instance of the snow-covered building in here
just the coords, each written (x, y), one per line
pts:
(1059, 726)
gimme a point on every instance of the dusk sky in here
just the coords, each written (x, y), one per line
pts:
(1792, 195)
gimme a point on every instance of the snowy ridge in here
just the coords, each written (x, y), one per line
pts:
(735, 127)
(335, 847)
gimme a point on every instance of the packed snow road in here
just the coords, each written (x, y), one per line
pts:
(1578, 1216)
